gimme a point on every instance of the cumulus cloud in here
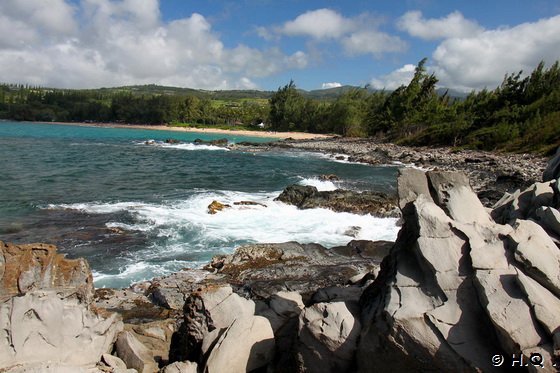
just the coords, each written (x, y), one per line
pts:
(482, 60)
(331, 85)
(124, 42)
(394, 79)
(357, 35)
(470, 58)
(454, 25)
(372, 42)
(320, 23)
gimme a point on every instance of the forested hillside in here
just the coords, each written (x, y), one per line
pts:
(522, 114)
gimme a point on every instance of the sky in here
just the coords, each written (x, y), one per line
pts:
(263, 44)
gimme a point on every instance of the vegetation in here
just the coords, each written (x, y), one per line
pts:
(522, 114)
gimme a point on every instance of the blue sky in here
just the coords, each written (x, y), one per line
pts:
(262, 44)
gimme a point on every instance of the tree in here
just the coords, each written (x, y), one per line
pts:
(286, 108)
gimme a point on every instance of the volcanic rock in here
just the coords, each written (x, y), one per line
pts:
(46, 312)
(308, 197)
(458, 288)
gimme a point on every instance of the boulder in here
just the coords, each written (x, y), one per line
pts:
(522, 205)
(181, 367)
(209, 308)
(171, 291)
(135, 354)
(537, 254)
(247, 344)
(46, 312)
(328, 336)
(549, 219)
(156, 336)
(113, 362)
(216, 206)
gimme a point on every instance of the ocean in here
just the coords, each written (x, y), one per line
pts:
(136, 211)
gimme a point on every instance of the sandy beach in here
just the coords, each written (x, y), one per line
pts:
(270, 134)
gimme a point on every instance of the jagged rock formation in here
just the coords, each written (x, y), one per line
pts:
(462, 284)
(458, 288)
(308, 197)
(46, 312)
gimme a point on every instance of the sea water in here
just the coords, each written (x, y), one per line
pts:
(136, 210)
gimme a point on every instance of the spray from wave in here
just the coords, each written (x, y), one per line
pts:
(183, 234)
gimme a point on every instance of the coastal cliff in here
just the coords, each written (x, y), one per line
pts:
(464, 288)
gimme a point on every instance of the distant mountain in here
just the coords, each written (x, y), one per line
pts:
(327, 94)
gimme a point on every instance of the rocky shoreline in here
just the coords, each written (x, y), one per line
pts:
(464, 288)
(490, 174)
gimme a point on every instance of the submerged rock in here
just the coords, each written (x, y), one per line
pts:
(218, 142)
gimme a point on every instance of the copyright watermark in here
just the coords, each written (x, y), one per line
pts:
(519, 360)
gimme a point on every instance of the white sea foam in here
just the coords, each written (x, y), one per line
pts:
(321, 185)
(187, 230)
(182, 146)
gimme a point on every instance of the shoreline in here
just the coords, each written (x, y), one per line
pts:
(208, 130)
(491, 174)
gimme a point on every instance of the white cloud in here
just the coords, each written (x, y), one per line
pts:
(454, 25)
(320, 23)
(395, 79)
(372, 42)
(356, 35)
(331, 85)
(124, 42)
(482, 60)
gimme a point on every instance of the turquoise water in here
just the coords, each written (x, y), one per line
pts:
(136, 211)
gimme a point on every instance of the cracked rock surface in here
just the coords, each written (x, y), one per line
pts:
(457, 287)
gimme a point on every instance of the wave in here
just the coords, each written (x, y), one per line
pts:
(321, 185)
(182, 146)
(183, 234)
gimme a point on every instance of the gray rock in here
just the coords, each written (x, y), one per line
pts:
(45, 310)
(522, 205)
(549, 219)
(171, 291)
(544, 304)
(113, 362)
(156, 336)
(419, 314)
(552, 170)
(181, 367)
(135, 354)
(210, 308)
(328, 335)
(247, 344)
(537, 253)
(508, 311)
(287, 303)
